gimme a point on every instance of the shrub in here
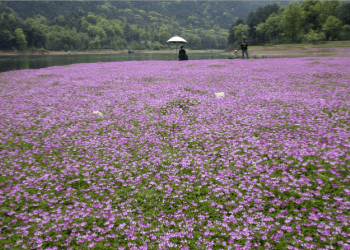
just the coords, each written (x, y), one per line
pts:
(314, 37)
(157, 46)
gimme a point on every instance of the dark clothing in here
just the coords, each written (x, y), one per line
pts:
(244, 46)
(182, 55)
(182, 51)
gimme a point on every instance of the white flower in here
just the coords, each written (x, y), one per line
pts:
(97, 112)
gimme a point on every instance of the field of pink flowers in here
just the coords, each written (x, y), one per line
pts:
(167, 165)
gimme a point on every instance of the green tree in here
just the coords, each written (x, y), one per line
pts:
(345, 33)
(241, 31)
(60, 19)
(7, 38)
(63, 25)
(122, 44)
(145, 36)
(81, 41)
(157, 46)
(96, 43)
(155, 36)
(231, 39)
(106, 7)
(193, 40)
(131, 32)
(260, 31)
(84, 24)
(273, 27)
(94, 31)
(313, 36)
(114, 45)
(164, 37)
(20, 39)
(260, 16)
(38, 22)
(193, 20)
(91, 18)
(135, 46)
(292, 22)
(221, 40)
(209, 41)
(332, 27)
(342, 13)
(154, 19)
(312, 15)
(66, 47)
(118, 27)
(139, 19)
(328, 8)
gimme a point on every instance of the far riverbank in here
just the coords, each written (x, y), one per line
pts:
(100, 51)
(270, 50)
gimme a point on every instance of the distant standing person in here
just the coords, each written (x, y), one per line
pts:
(182, 54)
(244, 48)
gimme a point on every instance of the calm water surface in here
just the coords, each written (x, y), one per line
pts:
(8, 63)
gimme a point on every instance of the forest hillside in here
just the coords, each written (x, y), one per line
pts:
(83, 25)
(305, 22)
(119, 25)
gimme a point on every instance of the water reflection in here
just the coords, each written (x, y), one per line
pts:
(42, 61)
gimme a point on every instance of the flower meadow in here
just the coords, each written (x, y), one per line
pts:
(142, 155)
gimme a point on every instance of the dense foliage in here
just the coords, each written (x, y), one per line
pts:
(309, 21)
(80, 25)
(163, 164)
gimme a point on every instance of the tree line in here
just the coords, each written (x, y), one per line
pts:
(83, 25)
(307, 22)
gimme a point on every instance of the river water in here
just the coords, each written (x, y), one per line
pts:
(8, 63)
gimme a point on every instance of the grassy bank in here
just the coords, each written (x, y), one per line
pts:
(331, 48)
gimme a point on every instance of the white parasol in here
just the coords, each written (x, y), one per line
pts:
(176, 40)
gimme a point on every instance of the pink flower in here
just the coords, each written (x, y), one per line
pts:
(193, 203)
(207, 233)
(92, 244)
(99, 239)
(80, 240)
